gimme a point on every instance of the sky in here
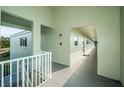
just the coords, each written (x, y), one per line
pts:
(7, 31)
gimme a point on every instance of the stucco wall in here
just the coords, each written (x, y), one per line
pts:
(122, 45)
(65, 18)
(17, 51)
(108, 32)
(76, 52)
(39, 15)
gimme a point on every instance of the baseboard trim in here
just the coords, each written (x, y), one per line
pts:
(60, 63)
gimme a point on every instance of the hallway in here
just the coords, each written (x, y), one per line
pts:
(85, 75)
(82, 74)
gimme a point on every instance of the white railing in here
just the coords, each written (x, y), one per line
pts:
(29, 71)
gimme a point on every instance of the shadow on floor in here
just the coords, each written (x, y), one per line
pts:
(57, 67)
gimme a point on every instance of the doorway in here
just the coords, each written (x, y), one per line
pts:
(46, 38)
(82, 40)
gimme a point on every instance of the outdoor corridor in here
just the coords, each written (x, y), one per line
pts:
(82, 74)
(86, 75)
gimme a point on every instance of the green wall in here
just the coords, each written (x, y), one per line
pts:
(47, 39)
(81, 38)
(63, 19)
(76, 52)
(122, 45)
(79, 47)
(108, 32)
(39, 15)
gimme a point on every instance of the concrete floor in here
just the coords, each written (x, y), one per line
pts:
(85, 75)
(81, 74)
(57, 67)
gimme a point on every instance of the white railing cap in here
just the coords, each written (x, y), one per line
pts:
(22, 58)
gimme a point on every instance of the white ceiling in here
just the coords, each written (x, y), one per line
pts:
(89, 31)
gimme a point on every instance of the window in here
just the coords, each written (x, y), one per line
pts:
(23, 41)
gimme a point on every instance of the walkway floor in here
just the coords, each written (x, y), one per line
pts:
(81, 74)
(86, 75)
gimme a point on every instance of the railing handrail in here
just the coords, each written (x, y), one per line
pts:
(12, 60)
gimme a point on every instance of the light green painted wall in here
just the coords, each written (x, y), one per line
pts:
(48, 42)
(122, 45)
(109, 44)
(39, 15)
(47, 39)
(62, 53)
(108, 32)
(74, 48)
(76, 52)
(43, 40)
(63, 19)
(81, 37)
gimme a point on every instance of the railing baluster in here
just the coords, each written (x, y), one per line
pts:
(27, 72)
(10, 74)
(50, 65)
(17, 73)
(39, 68)
(42, 67)
(4, 69)
(36, 72)
(32, 72)
(45, 67)
(23, 73)
(2, 77)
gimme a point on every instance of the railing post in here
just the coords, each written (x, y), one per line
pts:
(2, 77)
(42, 68)
(50, 65)
(10, 74)
(23, 73)
(32, 72)
(27, 72)
(45, 66)
(36, 71)
(39, 68)
(17, 73)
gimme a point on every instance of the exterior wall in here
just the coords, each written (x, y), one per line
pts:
(65, 18)
(39, 15)
(122, 45)
(0, 15)
(17, 51)
(108, 32)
